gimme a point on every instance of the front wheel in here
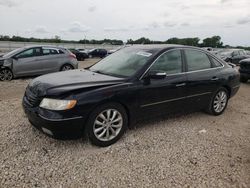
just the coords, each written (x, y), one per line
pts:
(6, 75)
(107, 124)
(218, 102)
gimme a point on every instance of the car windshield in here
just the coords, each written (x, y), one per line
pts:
(12, 52)
(124, 63)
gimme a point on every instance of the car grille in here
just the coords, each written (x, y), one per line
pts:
(31, 99)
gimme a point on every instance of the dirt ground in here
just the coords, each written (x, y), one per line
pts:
(194, 150)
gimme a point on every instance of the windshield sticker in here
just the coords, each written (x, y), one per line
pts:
(146, 54)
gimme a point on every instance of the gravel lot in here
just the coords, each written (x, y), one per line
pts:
(193, 150)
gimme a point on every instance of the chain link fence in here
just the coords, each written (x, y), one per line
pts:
(6, 46)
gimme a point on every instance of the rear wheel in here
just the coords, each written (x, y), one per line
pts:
(243, 79)
(107, 124)
(66, 67)
(218, 102)
(6, 75)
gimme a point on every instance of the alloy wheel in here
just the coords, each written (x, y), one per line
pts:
(66, 67)
(220, 101)
(108, 125)
(6, 74)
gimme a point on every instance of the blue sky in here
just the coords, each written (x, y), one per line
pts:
(124, 19)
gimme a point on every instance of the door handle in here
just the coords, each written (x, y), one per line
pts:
(180, 85)
(214, 79)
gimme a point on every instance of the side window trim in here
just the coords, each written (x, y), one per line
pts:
(212, 68)
(184, 63)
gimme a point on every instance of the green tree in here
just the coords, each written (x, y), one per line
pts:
(184, 41)
(214, 42)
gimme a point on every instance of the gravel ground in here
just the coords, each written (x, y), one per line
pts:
(194, 150)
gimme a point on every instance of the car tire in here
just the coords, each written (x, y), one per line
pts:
(67, 67)
(106, 124)
(243, 79)
(6, 75)
(218, 102)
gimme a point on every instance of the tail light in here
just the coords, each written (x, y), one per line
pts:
(71, 55)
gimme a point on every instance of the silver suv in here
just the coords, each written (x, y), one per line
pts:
(36, 60)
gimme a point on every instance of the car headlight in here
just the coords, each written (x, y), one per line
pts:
(56, 104)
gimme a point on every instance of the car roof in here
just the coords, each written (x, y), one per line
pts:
(161, 47)
(45, 46)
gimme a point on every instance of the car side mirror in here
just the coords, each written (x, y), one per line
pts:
(153, 75)
(15, 57)
(157, 75)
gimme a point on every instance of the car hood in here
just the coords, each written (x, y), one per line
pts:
(245, 61)
(58, 83)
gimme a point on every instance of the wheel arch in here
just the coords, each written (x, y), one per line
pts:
(66, 64)
(131, 120)
(8, 68)
(229, 89)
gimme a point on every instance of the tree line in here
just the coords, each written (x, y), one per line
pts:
(214, 41)
(57, 39)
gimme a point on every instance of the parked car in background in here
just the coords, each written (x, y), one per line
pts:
(97, 52)
(80, 56)
(36, 60)
(233, 55)
(134, 83)
(82, 50)
(116, 49)
(244, 70)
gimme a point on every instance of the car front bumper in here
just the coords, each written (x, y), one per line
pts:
(64, 128)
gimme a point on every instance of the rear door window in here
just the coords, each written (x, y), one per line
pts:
(197, 60)
(49, 51)
(46, 52)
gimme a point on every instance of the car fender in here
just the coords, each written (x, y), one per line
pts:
(7, 63)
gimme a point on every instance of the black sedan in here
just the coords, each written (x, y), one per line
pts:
(233, 56)
(101, 53)
(132, 84)
(80, 56)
